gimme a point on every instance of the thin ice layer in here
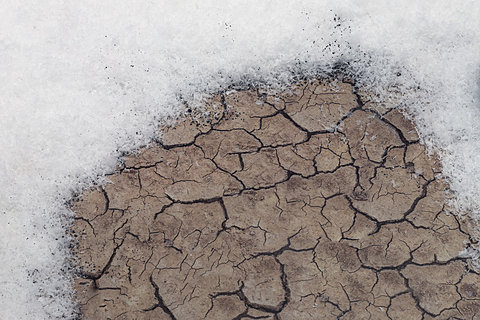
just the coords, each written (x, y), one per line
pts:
(84, 82)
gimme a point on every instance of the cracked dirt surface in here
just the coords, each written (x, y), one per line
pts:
(308, 204)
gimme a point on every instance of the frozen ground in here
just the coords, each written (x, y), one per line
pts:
(83, 83)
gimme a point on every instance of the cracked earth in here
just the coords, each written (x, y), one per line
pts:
(313, 203)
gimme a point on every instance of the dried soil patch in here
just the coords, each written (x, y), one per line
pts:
(307, 204)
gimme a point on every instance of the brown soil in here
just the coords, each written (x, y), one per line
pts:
(308, 204)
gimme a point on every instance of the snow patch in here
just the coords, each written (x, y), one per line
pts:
(84, 82)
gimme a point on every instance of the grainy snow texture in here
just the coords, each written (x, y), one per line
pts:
(83, 82)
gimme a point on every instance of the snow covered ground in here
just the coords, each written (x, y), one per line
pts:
(82, 82)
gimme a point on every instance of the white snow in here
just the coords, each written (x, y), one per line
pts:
(83, 81)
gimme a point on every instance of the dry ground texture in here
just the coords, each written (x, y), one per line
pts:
(264, 210)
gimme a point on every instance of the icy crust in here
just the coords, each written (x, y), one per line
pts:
(85, 82)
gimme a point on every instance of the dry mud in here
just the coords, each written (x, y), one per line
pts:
(265, 211)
